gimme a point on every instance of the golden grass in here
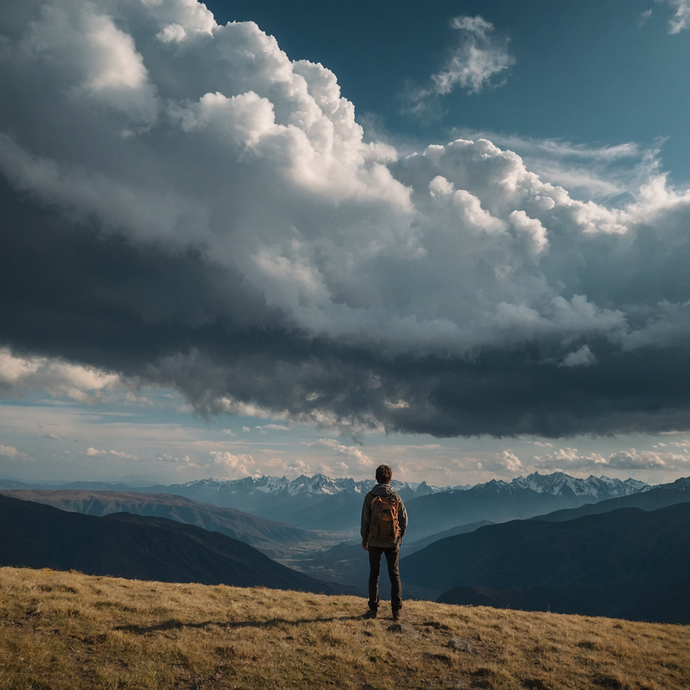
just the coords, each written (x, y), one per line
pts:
(68, 630)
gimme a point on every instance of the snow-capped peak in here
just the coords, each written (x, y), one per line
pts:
(559, 484)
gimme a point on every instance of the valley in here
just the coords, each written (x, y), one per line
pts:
(610, 548)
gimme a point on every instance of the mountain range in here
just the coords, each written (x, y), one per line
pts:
(317, 502)
(323, 503)
(652, 498)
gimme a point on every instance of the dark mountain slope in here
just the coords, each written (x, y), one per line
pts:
(628, 563)
(517, 598)
(409, 547)
(269, 536)
(144, 548)
(439, 512)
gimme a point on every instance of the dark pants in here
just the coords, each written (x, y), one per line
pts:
(392, 556)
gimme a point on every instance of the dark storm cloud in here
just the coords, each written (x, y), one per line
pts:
(200, 212)
(174, 320)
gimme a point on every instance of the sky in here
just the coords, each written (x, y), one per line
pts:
(250, 238)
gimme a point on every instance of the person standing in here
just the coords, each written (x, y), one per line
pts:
(384, 521)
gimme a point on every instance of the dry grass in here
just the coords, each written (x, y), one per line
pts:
(68, 630)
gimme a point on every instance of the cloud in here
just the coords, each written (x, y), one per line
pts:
(216, 463)
(598, 172)
(632, 459)
(299, 467)
(186, 207)
(580, 358)
(12, 452)
(20, 376)
(93, 452)
(568, 459)
(681, 18)
(238, 465)
(507, 460)
(479, 55)
(356, 459)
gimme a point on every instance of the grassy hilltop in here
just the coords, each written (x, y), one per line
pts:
(68, 630)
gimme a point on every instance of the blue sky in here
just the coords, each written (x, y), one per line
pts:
(451, 238)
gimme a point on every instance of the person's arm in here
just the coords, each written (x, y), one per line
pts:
(366, 519)
(402, 518)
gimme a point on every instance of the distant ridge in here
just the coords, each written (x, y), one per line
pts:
(135, 547)
(523, 497)
(653, 498)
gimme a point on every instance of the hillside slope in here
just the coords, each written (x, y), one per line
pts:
(131, 546)
(68, 631)
(628, 563)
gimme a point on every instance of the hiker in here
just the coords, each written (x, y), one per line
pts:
(384, 521)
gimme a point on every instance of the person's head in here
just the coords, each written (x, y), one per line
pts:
(384, 474)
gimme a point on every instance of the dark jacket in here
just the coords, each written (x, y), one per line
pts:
(381, 490)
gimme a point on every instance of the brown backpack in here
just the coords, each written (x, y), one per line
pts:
(384, 518)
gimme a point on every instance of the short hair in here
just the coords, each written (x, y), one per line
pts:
(384, 474)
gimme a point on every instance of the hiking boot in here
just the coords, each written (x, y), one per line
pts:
(396, 614)
(371, 613)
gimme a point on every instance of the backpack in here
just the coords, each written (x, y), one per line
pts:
(384, 518)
